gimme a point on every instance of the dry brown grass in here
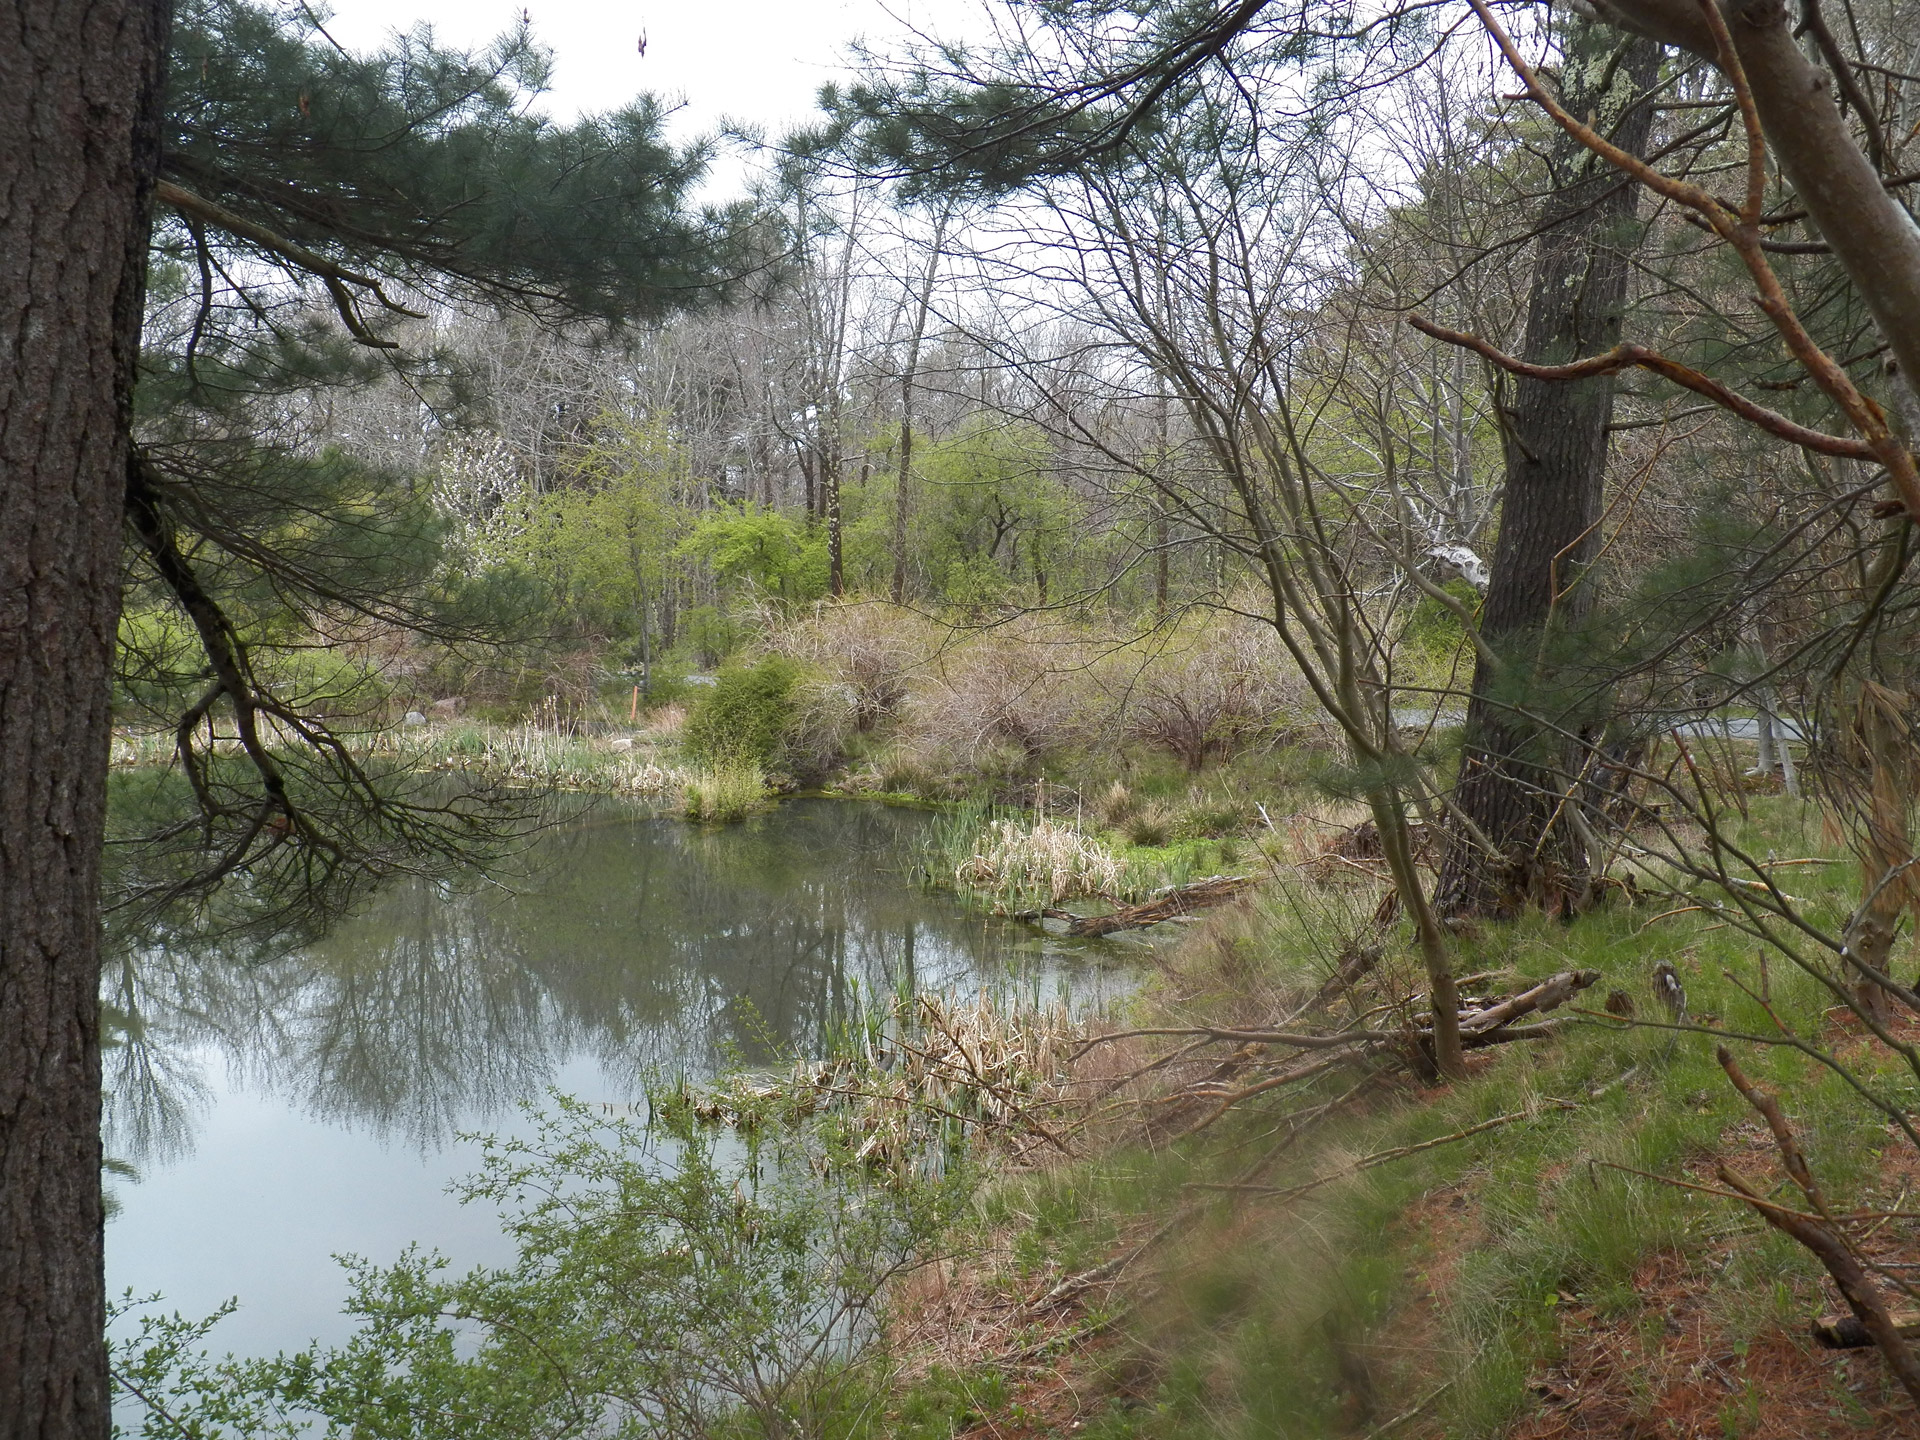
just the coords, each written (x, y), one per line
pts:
(1043, 858)
(871, 648)
(1208, 691)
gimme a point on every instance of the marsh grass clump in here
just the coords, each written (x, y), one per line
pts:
(1045, 860)
(1150, 825)
(721, 794)
(1116, 805)
(1214, 813)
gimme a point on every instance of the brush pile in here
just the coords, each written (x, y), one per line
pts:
(1229, 1065)
(913, 1083)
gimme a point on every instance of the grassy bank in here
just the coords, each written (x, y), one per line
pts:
(1362, 1252)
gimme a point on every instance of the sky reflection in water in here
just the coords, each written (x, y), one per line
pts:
(285, 1111)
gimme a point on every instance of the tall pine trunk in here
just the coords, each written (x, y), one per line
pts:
(79, 140)
(1512, 772)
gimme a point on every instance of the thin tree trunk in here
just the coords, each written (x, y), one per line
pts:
(1160, 526)
(1789, 776)
(1775, 748)
(922, 304)
(79, 145)
(830, 487)
(1161, 539)
(641, 613)
(1882, 741)
(1512, 771)
(1443, 995)
(899, 586)
(669, 611)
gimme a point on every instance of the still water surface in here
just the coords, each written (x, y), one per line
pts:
(287, 1111)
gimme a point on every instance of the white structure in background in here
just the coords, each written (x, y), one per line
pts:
(1465, 562)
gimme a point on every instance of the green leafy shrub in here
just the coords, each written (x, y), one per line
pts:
(745, 716)
(774, 553)
(670, 1280)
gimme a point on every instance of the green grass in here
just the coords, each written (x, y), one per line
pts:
(724, 793)
(1313, 1318)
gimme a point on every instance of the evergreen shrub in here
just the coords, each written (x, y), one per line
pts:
(745, 717)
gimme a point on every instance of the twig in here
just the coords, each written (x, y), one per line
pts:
(1860, 1292)
(1405, 1415)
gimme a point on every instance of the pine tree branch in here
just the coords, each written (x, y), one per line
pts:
(334, 276)
(225, 651)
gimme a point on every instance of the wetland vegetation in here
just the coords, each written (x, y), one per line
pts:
(1399, 518)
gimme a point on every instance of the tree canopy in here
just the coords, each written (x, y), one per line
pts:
(312, 204)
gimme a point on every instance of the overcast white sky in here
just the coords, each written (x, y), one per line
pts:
(753, 60)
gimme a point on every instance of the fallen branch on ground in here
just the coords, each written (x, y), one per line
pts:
(1547, 995)
(1825, 1238)
(1249, 1072)
(1847, 1332)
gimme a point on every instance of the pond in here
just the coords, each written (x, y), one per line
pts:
(284, 1111)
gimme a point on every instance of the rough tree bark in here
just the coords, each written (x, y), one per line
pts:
(1556, 456)
(79, 145)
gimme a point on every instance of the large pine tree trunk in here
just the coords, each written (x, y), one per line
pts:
(1511, 772)
(79, 130)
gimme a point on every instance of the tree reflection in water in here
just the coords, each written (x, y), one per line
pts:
(640, 942)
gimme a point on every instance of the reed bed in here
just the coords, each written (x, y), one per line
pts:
(723, 793)
(1040, 860)
(919, 1078)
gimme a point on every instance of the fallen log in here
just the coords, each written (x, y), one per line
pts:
(1171, 905)
(1547, 995)
(1849, 1332)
